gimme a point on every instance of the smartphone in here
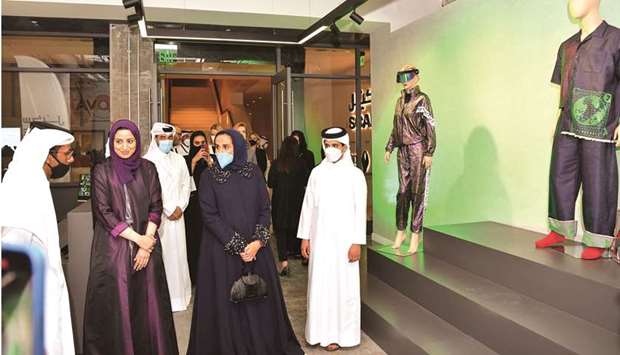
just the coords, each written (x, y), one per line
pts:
(23, 282)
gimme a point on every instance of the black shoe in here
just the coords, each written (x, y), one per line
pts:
(285, 271)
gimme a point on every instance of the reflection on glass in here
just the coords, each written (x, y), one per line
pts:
(77, 101)
(365, 61)
(210, 58)
(56, 52)
(322, 61)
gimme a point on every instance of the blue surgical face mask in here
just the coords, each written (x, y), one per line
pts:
(224, 159)
(165, 146)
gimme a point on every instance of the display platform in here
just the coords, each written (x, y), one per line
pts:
(482, 288)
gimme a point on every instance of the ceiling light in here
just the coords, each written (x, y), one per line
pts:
(130, 3)
(142, 26)
(316, 32)
(356, 17)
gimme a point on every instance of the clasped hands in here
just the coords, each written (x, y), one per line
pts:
(146, 244)
(249, 253)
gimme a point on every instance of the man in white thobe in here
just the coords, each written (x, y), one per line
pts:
(27, 217)
(175, 187)
(332, 228)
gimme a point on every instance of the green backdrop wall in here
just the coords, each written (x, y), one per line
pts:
(486, 65)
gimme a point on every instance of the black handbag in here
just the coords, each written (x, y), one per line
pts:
(249, 287)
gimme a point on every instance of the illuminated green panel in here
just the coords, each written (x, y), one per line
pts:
(486, 65)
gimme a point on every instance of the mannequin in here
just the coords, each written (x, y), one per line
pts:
(587, 133)
(413, 133)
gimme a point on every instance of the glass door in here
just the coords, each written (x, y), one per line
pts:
(282, 107)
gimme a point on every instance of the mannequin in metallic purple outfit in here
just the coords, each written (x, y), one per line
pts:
(413, 134)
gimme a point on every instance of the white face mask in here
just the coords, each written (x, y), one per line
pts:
(333, 154)
(186, 142)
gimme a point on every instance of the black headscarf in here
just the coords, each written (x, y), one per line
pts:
(240, 158)
(192, 149)
(303, 146)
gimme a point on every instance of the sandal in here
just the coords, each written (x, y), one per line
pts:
(332, 347)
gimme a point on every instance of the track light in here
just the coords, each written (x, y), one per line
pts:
(130, 3)
(357, 18)
(136, 5)
(335, 30)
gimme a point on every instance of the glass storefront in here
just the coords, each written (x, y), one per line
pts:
(64, 81)
(214, 59)
(54, 52)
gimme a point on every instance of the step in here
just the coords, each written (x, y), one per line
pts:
(570, 284)
(401, 326)
(506, 321)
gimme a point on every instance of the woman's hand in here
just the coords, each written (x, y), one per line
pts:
(146, 242)
(141, 259)
(198, 156)
(249, 254)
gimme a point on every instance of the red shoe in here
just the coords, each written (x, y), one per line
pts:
(592, 253)
(551, 239)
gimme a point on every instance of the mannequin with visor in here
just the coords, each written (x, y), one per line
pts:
(413, 133)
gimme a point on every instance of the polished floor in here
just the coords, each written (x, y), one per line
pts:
(294, 288)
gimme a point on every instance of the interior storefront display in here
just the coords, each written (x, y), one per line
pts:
(413, 133)
(584, 148)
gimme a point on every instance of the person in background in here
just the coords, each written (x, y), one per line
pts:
(261, 154)
(304, 153)
(235, 211)
(127, 307)
(332, 227)
(307, 157)
(287, 178)
(213, 131)
(251, 150)
(177, 140)
(197, 161)
(175, 186)
(181, 141)
(27, 217)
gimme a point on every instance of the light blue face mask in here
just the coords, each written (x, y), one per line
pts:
(165, 146)
(224, 159)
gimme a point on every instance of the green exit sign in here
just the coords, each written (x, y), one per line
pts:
(167, 56)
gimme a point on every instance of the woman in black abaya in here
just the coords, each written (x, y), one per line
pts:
(235, 213)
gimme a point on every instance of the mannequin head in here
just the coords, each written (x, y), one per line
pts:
(579, 9)
(409, 85)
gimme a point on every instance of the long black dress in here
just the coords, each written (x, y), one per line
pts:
(235, 210)
(288, 196)
(193, 220)
(308, 158)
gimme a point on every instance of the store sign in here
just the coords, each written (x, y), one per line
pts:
(167, 56)
(366, 109)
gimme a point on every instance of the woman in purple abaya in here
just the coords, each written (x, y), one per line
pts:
(235, 212)
(127, 301)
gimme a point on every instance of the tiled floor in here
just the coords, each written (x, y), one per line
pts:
(294, 288)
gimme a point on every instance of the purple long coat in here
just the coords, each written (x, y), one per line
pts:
(127, 312)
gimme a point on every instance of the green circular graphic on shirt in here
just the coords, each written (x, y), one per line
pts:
(591, 110)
